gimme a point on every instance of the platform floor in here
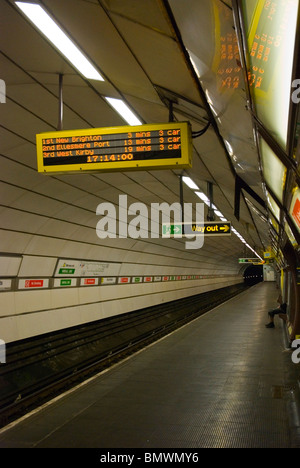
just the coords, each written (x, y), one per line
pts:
(222, 381)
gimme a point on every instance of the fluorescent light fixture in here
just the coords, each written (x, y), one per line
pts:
(207, 202)
(195, 67)
(223, 219)
(218, 213)
(209, 99)
(244, 242)
(190, 183)
(124, 111)
(229, 147)
(56, 35)
(202, 196)
(214, 111)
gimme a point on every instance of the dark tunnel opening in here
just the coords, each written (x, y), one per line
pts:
(253, 274)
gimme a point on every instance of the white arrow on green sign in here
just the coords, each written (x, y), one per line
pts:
(172, 229)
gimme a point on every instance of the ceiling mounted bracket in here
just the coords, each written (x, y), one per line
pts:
(240, 185)
(60, 103)
(211, 211)
(171, 112)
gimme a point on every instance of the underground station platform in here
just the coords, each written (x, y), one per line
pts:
(221, 381)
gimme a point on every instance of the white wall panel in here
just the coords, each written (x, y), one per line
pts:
(14, 242)
(9, 265)
(89, 294)
(37, 266)
(38, 245)
(64, 297)
(31, 301)
(31, 313)
(9, 327)
(7, 304)
(16, 220)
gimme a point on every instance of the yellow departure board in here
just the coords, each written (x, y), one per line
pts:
(144, 147)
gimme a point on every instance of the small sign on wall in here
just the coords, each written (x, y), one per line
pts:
(124, 280)
(81, 268)
(89, 281)
(33, 283)
(137, 279)
(108, 280)
(5, 284)
(64, 283)
(148, 279)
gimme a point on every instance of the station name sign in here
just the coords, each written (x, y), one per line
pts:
(146, 147)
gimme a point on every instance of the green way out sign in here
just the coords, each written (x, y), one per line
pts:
(172, 229)
(199, 229)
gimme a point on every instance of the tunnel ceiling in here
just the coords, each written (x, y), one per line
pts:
(149, 53)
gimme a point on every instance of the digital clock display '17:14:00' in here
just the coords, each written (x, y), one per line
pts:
(157, 146)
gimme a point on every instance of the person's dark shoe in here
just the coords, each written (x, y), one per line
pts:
(270, 325)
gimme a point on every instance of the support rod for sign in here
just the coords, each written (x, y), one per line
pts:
(171, 114)
(181, 201)
(60, 103)
(211, 213)
(171, 119)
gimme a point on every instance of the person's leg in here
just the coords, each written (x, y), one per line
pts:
(271, 315)
(283, 316)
